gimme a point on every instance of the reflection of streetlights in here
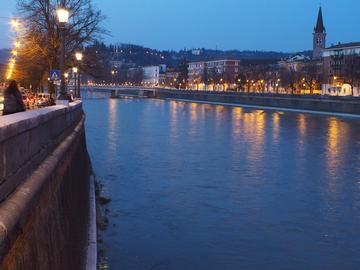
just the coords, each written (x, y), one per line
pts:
(63, 18)
(79, 57)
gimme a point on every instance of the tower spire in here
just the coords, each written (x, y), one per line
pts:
(319, 28)
(319, 36)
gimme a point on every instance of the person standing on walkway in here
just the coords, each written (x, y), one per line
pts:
(13, 101)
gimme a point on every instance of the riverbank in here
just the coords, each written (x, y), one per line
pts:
(342, 106)
(322, 105)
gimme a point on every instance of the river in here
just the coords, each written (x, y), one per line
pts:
(196, 186)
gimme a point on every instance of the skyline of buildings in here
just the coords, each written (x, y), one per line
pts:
(331, 70)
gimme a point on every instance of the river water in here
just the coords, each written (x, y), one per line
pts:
(197, 186)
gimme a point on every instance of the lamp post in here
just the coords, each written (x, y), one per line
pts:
(75, 72)
(63, 18)
(79, 57)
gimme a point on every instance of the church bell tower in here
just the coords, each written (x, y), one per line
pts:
(319, 36)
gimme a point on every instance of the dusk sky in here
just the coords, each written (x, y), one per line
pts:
(280, 25)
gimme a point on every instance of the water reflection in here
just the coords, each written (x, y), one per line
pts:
(113, 127)
(255, 128)
(174, 121)
(302, 127)
(337, 143)
(276, 127)
(237, 114)
(197, 186)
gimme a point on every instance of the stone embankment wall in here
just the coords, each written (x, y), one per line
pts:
(332, 105)
(44, 189)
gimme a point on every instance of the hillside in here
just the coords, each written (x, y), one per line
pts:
(135, 55)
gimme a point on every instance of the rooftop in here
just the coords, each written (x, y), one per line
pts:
(344, 45)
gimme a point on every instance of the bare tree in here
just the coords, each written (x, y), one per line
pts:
(289, 79)
(240, 81)
(352, 71)
(40, 36)
(311, 75)
(183, 73)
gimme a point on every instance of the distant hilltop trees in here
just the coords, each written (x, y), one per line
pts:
(143, 56)
(122, 56)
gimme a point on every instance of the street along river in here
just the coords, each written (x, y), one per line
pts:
(196, 186)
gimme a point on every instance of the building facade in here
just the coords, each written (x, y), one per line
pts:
(341, 65)
(151, 76)
(294, 63)
(170, 79)
(213, 75)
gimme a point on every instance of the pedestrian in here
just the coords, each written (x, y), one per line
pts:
(13, 101)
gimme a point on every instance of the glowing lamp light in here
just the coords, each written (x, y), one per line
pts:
(78, 56)
(66, 75)
(17, 44)
(62, 15)
(75, 69)
(14, 23)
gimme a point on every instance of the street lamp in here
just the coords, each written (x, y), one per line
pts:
(62, 15)
(15, 23)
(75, 74)
(79, 57)
(63, 18)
